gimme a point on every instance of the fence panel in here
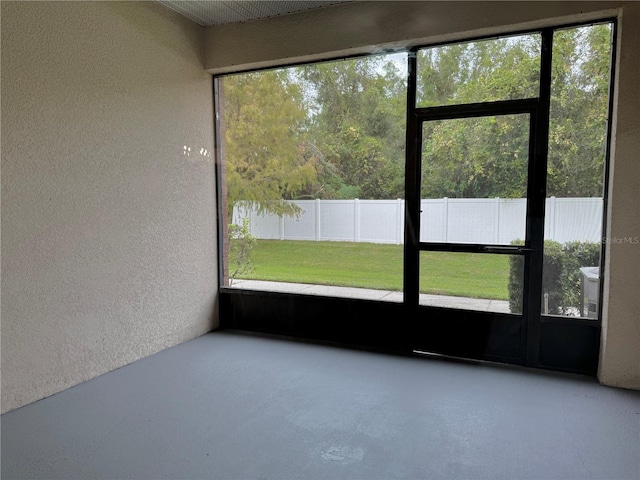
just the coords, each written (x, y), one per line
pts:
(471, 220)
(338, 220)
(264, 226)
(433, 220)
(461, 220)
(380, 221)
(302, 227)
(577, 219)
(513, 220)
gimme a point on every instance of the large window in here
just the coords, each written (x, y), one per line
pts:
(313, 180)
(482, 71)
(576, 170)
(314, 185)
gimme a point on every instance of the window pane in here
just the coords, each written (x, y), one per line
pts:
(575, 174)
(474, 179)
(482, 71)
(472, 281)
(313, 177)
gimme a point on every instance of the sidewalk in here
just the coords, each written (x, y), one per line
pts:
(479, 304)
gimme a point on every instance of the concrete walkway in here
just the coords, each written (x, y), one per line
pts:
(478, 304)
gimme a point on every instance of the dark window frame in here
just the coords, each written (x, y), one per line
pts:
(539, 336)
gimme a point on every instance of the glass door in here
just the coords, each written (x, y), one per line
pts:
(475, 195)
(507, 141)
(475, 213)
(473, 208)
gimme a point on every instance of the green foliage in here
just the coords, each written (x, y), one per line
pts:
(482, 71)
(476, 157)
(337, 129)
(576, 256)
(578, 118)
(552, 269)
(241, 245)
(357, 125)
(560, 275)
(487, 157)
(516, 274)
(264, 114)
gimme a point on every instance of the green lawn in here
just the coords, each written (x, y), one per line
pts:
(379, 266)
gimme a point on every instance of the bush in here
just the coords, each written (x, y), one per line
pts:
(576, 256)
(552, 265)
(551, 277)
(241, 244)
(560, 275)
(516, 272)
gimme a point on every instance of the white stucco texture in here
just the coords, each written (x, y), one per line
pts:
(620, 347)
(108, 191)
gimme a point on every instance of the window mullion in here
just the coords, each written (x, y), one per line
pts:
(536, 195)
(412, 188)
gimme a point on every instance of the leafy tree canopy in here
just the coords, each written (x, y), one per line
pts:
(337, 129)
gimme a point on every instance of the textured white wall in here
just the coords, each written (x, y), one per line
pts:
(620, 350)
(108, 226)
(359, 27)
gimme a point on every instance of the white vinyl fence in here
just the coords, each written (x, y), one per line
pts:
(460, 220)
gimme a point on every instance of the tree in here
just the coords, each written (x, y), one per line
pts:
(482, 71)
(265, 151)
(578, 123)
(356, 123)
(486, 156)
(337, 129)
(476, 157)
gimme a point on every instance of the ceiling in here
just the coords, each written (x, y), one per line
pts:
(219, 12)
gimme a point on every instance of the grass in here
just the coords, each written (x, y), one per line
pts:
(379, 266)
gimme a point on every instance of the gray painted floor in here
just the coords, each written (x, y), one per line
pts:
(230, 405)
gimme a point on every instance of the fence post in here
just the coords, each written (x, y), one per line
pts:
(496, 219)
(399, 212)
(356, 220)
(551, 212)
(281, 226)
(318, 223)
(446, 218)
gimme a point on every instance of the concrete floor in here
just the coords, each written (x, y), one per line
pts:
(230, 405)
